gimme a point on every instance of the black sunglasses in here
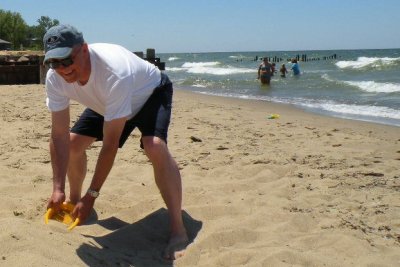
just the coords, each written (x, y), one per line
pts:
(66, 62)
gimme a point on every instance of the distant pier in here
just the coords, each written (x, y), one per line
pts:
(298, 57)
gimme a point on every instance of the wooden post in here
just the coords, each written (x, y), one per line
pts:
(42, 70)
(150, 54)
(151, 57)
(139, 54)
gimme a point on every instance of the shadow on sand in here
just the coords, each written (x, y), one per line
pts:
(138, 244)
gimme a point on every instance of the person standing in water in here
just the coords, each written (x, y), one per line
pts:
(265, 71)
(295, 67)
(283, 71)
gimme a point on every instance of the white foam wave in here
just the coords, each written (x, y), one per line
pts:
(199, 64)
(239, 57)
(175, 69)
(328, 106)
(355, 110)
(363, 62)
(326, 77)
(368, 86)
(371, 111)
(361, 112)
(219, 71)
(173, 58)
(375, 87)
(209, 68)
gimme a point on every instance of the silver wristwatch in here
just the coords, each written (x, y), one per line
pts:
(93, 193)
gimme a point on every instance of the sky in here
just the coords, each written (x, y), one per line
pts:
(177, 26)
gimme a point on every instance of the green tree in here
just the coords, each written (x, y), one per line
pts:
(12, 28)
(45, 23)
(19, 28)
(5, 17)
(35, 33)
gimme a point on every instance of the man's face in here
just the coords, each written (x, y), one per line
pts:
(69, 68)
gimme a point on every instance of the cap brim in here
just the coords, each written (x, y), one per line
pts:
(58, 53)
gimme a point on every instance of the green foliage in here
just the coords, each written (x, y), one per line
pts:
(14, 29)
(45, 23)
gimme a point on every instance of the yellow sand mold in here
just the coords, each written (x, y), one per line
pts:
(63, 215)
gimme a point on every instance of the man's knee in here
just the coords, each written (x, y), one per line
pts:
(79, 143)
(153, 146)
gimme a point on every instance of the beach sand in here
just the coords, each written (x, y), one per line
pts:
(300, 190)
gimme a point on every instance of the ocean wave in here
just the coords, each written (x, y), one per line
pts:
(173, 58)
(240, 57)
(209, 68)
(199, 85)
(200, 64)
(175, 69)
(375, 87)
(368, 62)
(349, 110)
(355, 110)
(327, 77)
(219, 71)
(368, 86)
(346, 110)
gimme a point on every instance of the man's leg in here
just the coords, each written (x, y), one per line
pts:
(77, 165)
(168, 180)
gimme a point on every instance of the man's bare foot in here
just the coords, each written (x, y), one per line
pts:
(176, 246)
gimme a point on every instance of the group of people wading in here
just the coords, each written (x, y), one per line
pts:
(266, 70)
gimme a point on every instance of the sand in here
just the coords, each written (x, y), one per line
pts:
(299, 190)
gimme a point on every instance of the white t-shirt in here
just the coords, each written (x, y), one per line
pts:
(119, 84)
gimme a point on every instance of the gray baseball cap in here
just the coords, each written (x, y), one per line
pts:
(59, 41)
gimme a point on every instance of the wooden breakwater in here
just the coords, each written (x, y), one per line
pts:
(15, 69)
(298, 57)
(29, 69)
(151, 57)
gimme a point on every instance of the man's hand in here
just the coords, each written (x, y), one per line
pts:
(83, 208)
(56, 199)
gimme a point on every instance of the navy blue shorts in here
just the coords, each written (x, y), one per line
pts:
(152, 120)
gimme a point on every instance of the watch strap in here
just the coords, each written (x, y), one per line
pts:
(93, 193)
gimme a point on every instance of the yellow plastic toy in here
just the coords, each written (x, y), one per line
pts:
(273, 116)
(63, 215)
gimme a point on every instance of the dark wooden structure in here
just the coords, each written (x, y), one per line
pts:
(29, 69)
(4, 45)
(151, 57)
(19, 70)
